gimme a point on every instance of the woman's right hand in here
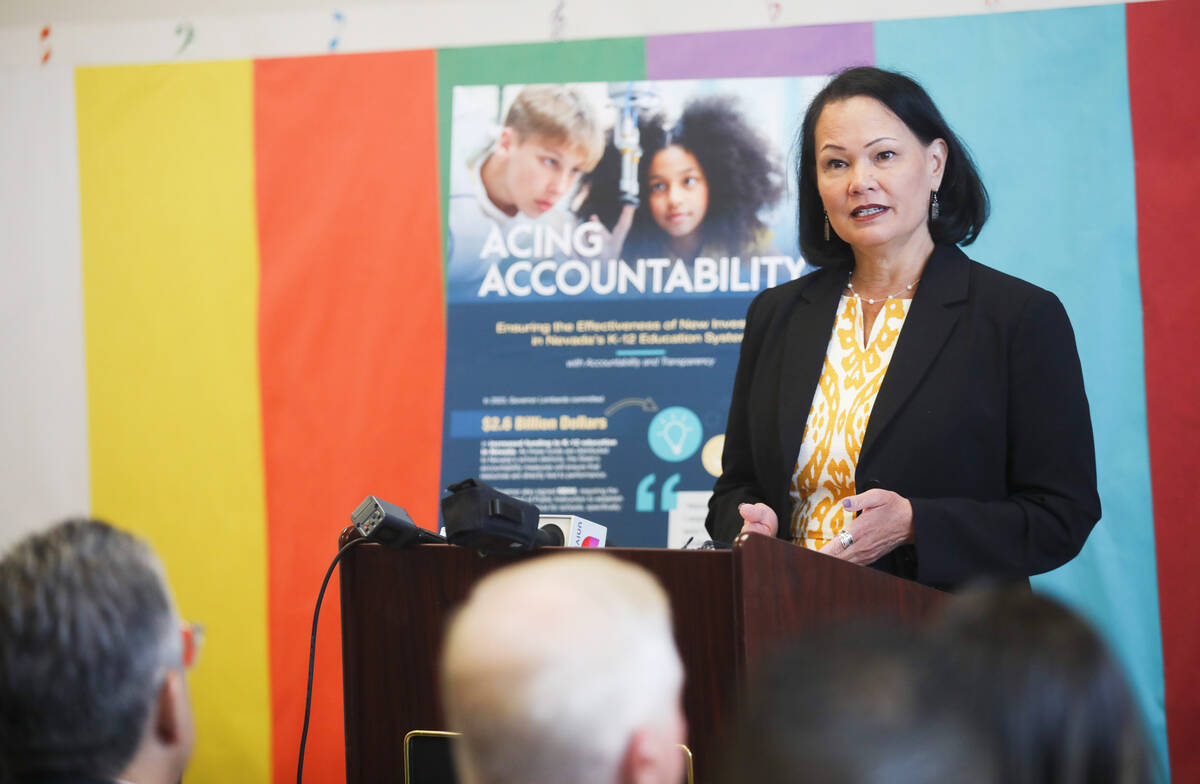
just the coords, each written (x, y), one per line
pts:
(758, 519)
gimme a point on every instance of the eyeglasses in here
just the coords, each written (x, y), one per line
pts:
(193, 638)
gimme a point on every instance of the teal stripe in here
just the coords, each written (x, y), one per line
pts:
(1042, 99)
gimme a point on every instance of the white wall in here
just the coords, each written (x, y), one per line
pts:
(43, 408)
(124, 31)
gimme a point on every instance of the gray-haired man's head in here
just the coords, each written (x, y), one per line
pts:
(90, 658)
(564, 668)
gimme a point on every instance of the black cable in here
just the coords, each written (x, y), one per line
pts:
(312, 653)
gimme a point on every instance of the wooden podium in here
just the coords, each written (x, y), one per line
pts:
(730, 608)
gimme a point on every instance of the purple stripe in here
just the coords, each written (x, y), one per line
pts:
(787, 51)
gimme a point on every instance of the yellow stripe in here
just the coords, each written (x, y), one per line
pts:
(170, 273)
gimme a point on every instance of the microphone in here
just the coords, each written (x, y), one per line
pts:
(388, 524)
(566, 530)
(548, 536)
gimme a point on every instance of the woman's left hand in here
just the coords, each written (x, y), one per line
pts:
(886, 523)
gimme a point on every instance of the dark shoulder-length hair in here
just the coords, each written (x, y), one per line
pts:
(963, 201)
(1047, 684)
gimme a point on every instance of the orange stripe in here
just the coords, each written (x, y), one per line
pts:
(352, 342)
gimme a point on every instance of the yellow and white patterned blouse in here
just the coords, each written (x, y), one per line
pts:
(850, 380)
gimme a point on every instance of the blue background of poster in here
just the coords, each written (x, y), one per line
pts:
(482, 364)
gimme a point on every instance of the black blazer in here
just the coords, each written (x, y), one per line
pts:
(981, 422)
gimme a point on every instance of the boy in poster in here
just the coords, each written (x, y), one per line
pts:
(552, 135)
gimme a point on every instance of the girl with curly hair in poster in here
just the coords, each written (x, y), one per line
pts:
(702, 184)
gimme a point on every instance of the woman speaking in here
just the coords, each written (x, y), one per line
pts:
(904, 406)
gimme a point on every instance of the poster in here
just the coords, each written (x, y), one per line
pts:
(590, 363)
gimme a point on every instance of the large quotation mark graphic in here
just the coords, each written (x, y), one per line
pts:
(644, 502)
(339, 20)
(187, 31)
(645, 496)
(45, 41)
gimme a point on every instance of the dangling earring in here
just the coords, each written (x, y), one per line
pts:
(934, 207)
(826, 224)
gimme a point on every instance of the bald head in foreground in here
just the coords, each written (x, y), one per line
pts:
(563, 668)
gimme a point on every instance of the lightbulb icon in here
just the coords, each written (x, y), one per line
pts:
(673, 430)
(675, 434)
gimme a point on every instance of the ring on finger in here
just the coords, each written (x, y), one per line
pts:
(846, 539)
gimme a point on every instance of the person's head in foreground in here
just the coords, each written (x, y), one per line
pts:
(563, 668)
(860, 705)
(552, 135)
(92, 659)
(1046, 682)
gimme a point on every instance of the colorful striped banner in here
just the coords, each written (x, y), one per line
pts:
(265, 331)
